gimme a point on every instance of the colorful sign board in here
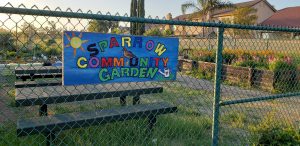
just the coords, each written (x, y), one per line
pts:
(95, 58)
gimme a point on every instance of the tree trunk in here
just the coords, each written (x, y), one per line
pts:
(133, 13)
(209, 19)
(141, 14)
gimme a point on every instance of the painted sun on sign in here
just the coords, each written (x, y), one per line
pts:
(75, 42)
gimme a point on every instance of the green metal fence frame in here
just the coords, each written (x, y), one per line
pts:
(218, 103)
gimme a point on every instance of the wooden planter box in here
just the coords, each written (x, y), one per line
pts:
(186, 65)
(263, 79)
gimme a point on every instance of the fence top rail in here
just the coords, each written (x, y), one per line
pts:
(79, 14)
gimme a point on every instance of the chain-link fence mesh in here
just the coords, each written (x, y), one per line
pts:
(259, 78)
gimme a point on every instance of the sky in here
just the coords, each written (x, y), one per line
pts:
(152, 7)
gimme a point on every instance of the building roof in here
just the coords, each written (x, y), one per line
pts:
(229, 10)
(287, 17)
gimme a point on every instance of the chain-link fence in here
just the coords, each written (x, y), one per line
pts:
(236, 85)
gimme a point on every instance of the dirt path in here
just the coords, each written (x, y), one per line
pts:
(233, 92)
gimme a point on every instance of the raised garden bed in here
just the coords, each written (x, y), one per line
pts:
(243, 76)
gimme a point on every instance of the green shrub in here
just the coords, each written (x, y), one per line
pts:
(116, 31)
(235, 119)
(275, 133)
(39, 50)
(7, 41)
(281, 65)
(50, 42)
(52, 51)
(278, 136)
(11, 54)
(285, 76)
(246, 56)
(167, 32)
(202, 74)
(153, 32)
(229, 57)
(209, 58)
(206, 56)
(252, 64)
(2, 54)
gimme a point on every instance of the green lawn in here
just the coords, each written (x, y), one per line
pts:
(190, 126)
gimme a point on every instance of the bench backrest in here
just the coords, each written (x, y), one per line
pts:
(38, 72)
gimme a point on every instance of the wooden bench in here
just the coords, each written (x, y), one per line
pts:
(61, 122)
(48, 125)
(38, 72)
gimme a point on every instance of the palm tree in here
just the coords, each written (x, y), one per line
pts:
(205, 7)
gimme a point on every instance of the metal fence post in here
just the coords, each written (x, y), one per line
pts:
(217, 89)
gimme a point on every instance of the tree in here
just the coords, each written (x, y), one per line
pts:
(28, 31)
(7, 41)
(137, 9)
(133, 13)
(102, 26)
(52, 31)
(141, 14)
(153, 32)
(205, 7)
(245, 15)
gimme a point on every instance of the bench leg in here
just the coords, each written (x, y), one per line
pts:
(152, 122)
(32, 77)
(43, 111)
(136, 100)
(23, 78)
(50, 137)
(123, 100)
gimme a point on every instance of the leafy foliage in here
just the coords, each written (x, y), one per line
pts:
(272, 132)
(205, 7)
(102, 26)
(245, 15)
(167, 32)
(7, 41)
(252, 64)
(153, 32)
(285, 76)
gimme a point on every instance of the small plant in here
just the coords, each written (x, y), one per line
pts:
(202, 74)
(167, 32)
(272, 132)
(11, 54)
(252, 64)
(117, 31)
(228, 57)
(153, 32)
(235, 119)
(285, 76)
(50, 42)
(204, 55)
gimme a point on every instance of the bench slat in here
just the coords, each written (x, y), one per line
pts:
(84, 119)
(40, 75)
(59, 94)
(24, 84)
(37, 69)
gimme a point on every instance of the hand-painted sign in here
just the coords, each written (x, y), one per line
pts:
(93, 58)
